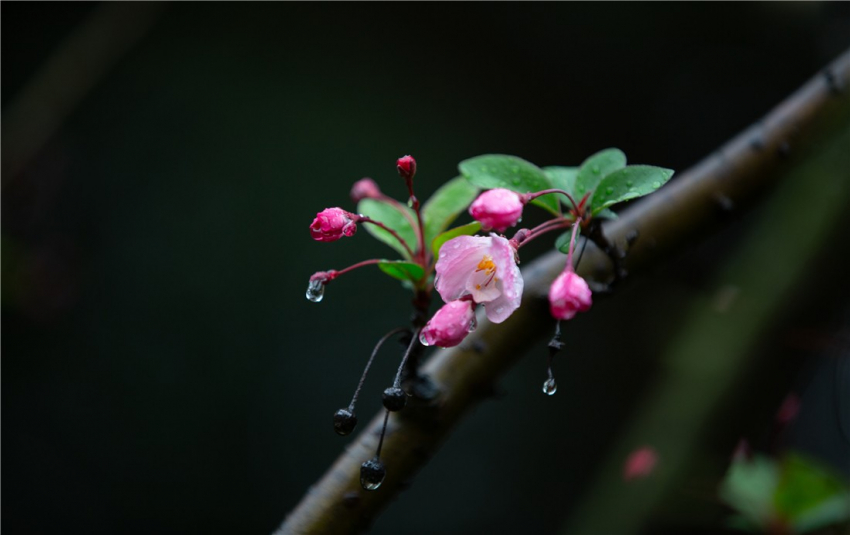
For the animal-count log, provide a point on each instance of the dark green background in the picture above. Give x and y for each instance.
(162, 371)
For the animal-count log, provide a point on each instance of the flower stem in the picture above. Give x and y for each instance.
(352, 267)
(572, 244)
(367, 219)
(531, 196)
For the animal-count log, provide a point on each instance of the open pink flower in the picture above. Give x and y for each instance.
(450, 324)
(497, 208)
(484, 268)
(332, 224)
(568, 295)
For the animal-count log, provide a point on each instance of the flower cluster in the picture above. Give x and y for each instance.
(465, 269)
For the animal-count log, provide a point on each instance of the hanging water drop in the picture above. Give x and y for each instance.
(550, 386)
(472, 325)
(372, 474)
(316, 290)
(422, 339)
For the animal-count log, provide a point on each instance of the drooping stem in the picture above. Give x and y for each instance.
(531, 196)
(367, 219)
(572, 245)
(369, 363)
(543, 228)
(334, 273)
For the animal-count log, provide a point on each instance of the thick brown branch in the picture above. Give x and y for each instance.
(691, 203)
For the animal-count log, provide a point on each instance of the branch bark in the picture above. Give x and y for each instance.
(688, 206)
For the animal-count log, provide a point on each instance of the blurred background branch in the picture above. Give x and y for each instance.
(792, 141)
(76, 67)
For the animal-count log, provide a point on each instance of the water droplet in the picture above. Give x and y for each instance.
(629, 183)
(410, 203)
(372, 474)
(436, 280)
(595, 169)
(422, 340)
(550, 387)
(656, 185)
(519, 220)
(455, 245)
(499, 310)
(472, 325)
(609, 191)
(515, 169)
(316, 290)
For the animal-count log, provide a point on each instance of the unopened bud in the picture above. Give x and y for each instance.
(365, 188)
(406, 166)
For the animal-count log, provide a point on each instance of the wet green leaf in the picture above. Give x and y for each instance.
(404, 271)
(445, 205)
(393, 218)
(595, 168)
(628, 183)
(563, 242)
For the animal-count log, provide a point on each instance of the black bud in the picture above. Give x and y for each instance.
(344, 422)
(372, 474)
(394, 399)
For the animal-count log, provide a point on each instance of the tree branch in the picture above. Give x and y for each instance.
(689, 205)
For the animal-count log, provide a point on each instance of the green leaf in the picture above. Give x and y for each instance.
(563, 178)
(628, 183)
(803, 486)
(445, 204)
(404, 271)
(392, 217)
(563, 242)
(501, 171)
(607, 213)
(748, 487)
(597, 167)
(464, 230)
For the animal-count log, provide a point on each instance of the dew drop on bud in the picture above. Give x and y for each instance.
(315, 290)
(423, 340)
(372, 474)
(550, 387)
(344, 422)
(472, 325)
(394, 399)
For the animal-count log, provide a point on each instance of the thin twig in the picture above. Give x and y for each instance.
(687, 206)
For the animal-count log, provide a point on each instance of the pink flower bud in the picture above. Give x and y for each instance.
(568, 295)
(640, 463)
(450, 325)
(406, 166)
(497, 208)
(365, 188)
(332, 224)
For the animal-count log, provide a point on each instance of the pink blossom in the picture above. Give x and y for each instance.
(450, 324)
(332, 224)
(497, 208)
(406, 166)
(365, 188)
(484, 268)
(640, 463)
(568, 295)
